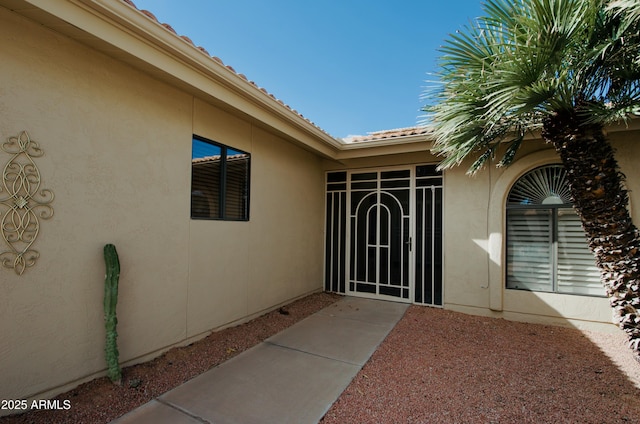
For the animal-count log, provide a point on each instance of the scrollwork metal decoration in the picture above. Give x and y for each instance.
(22, 203)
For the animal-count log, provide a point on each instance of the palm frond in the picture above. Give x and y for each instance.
(529, 58)
(630, 8)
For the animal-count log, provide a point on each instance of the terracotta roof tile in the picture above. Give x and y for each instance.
(146, 12)
(217, 59)
(170, 28)
(389, 134)
(188, 40)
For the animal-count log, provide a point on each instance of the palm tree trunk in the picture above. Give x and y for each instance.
(600, 199)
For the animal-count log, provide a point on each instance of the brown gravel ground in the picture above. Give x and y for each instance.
(435, 366)
(440, 366)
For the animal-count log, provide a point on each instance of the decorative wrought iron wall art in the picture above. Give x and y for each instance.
(22, 203)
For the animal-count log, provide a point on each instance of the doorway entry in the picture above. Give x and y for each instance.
(383, 234)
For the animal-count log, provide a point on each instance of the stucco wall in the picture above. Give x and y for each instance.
(474, 221)
(474, 274)
(277, 254)
(117, 149)
(118, 158)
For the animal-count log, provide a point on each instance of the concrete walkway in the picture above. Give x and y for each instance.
(292, 377)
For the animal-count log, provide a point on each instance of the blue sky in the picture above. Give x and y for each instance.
(350, 66)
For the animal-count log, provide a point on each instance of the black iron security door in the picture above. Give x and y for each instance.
(380, 233)
(384, 234)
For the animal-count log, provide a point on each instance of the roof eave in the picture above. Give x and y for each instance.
(394, 145)
(124, 32)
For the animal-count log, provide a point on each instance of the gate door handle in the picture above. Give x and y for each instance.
(408, 243)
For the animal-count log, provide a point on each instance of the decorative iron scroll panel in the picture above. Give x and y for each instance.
(22, 203)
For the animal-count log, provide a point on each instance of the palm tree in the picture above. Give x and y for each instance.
(566, 68)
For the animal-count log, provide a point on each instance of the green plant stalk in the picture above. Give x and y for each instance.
(111, 279)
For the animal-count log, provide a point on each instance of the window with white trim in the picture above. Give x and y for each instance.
(219, 181)
(546, 246)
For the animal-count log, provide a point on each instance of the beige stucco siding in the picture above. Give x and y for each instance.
(465, 237)
(287, 221)
(117, 145)
(474, 229)
(471, 246)
(627, 145)
(467, 289)
(250, 266)
(117, 156)
(117, 178)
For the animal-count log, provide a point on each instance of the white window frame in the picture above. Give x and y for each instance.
(546, 249)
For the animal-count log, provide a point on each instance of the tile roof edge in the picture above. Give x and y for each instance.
(392, 134)
(229, 68)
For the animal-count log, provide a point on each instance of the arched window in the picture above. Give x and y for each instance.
(546, 246)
